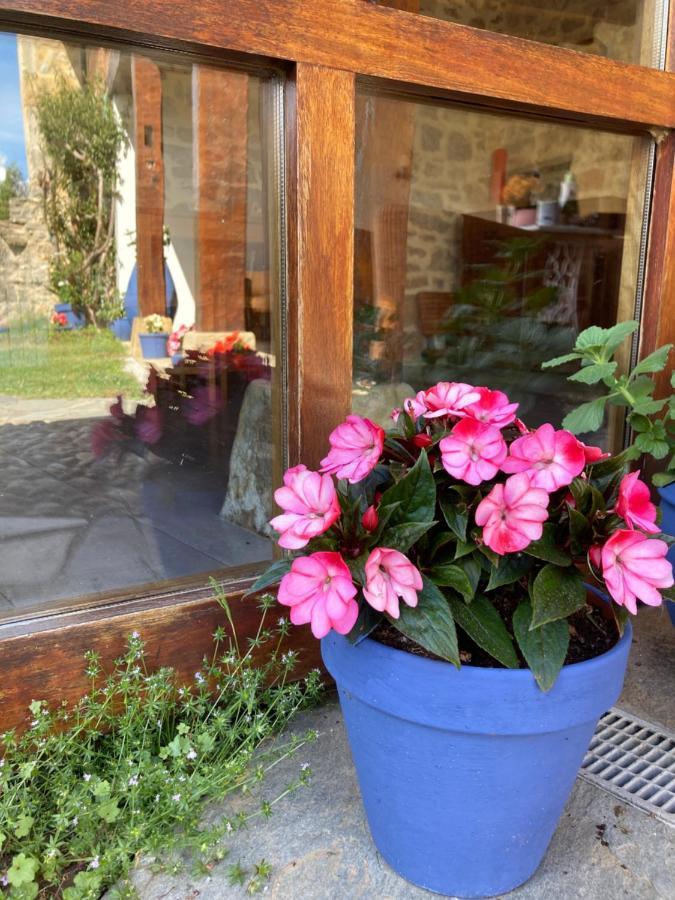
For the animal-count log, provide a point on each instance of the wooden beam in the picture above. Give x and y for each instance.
(322, 261)
(48, 663)
(147, 91)
(399, 46)
(221, 129)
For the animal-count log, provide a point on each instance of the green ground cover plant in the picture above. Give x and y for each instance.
(128, 770)
(37, 363)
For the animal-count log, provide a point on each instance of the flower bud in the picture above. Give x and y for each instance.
(370, 519)
(422, 440)
(595, 554)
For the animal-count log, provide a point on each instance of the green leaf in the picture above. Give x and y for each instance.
(462, 549)
(591, 338)
(580, 527)
(547, 548)
(272, 575)
(587, 417)
(23, 870)
(655, 362)
(559, 360)
(415, 492)
(617, 334)
(594, 373)
(23, 826)
(647, 443)
(605, 471)
(430, 623)
(556, 593)
(647, 407)
(357, 567)
(402, 537)
(368, 619)
(509, 569)
(473, 568)
(485, 627)
(454, 577)
(544, 648)
(108, 811)
(661, 479)
(457, 519)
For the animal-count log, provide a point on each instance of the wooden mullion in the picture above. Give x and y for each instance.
(390, 44)
(321, 255)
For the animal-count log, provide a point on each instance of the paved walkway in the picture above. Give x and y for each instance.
(318, 843)
(319, 846)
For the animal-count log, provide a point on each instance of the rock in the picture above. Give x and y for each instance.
(248, 501)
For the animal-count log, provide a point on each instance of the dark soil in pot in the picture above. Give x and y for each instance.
(591, 634)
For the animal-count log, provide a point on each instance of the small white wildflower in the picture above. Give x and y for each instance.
(2, 762)
(228, 827)
(282, 620)
(75, 820)
(133, 781)
(34, 723)
(175, 798)
(156, 798)
(94, 864)
(135, 635)
(304, 767)
(199, 678)
(181, 692)
(4, 881)
(192, 754)
(87, 776)
(181, 777)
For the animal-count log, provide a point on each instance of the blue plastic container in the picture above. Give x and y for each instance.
(464, 774)
(121, 328)
(668, 527)
(154, 345)
(74, 320)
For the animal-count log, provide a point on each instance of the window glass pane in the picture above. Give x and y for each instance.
(139, 321)
(484, 244)
(627, 30)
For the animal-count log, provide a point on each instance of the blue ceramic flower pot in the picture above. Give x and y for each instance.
(154, 345)
(465, 773)
(668, 527)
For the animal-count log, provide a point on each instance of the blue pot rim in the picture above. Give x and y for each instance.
(472, 698)
(153, 334)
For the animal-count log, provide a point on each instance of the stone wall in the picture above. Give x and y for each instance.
(25, 250)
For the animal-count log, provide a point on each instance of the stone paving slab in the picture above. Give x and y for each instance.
(319, 846)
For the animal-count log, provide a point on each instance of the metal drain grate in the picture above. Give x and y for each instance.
(635, 761)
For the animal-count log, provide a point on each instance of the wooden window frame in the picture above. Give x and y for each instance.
(324, 48)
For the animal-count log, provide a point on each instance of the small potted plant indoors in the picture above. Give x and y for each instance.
(652, 422)
(451, 571)
(154, 337)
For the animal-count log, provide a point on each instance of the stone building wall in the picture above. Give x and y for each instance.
(25, 250)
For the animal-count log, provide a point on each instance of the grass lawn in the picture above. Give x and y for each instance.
(36, 363)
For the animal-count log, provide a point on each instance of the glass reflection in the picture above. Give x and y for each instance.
(138, 391)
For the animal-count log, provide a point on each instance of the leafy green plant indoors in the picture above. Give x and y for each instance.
(82, 140)
(129, 768)
(652, 421)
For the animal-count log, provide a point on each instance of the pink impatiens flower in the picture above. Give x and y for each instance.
(593, 454)
(473, 451)
(310, 507)
(633, 567)
(319, 589)
(356, 446)
(390, 575)
(512, 514)
(493, 408)
(634, 504)
(449, 398)
(553, 458)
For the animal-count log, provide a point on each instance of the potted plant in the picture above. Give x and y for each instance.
(652, 422)
(154, 338)
(445, 574)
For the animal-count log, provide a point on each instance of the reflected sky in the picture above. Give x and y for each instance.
(12, 147)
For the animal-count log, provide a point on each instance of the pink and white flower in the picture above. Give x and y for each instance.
(512, 514)
(390, 575)
(633, 567)
(473, 451)
(634, 504)
(356, 446)
(310, 507)
(319, 590)
(493, 408)
(593, 454)
(415, 406)
(449, 398)
(552, 458)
